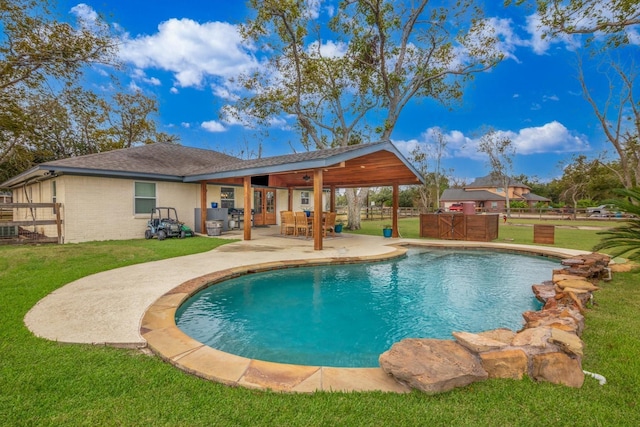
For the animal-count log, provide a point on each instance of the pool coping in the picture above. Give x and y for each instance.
(166, 340)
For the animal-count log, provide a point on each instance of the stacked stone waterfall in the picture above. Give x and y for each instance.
(548, 347)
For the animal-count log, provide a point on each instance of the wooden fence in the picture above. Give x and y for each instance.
(458, 226)
(31, 223)
(377, 212)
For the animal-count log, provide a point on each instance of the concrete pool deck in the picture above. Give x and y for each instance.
(134, 307)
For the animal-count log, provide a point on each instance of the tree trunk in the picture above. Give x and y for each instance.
(355, 200)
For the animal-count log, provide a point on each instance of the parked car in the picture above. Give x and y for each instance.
(455, 207)
(602, 211)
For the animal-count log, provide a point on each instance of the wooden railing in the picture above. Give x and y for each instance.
(31, 222)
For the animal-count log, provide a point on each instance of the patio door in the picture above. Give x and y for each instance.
(264, 205)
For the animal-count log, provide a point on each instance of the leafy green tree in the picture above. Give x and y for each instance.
(45, 113)
(386, 54)
(624, 240)
(36, 51)
(575, 180)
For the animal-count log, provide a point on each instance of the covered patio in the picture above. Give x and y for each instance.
(367, 165)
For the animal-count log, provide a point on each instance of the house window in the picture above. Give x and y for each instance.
(227, 197)
(304, 197)
(500, 190)
(494, 205)
(145, 197)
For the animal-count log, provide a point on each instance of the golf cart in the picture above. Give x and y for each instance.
(164, 223)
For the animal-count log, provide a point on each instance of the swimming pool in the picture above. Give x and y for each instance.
(347, 315)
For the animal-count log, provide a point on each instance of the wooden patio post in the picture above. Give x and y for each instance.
(396, 207)
(247, 207)
(332, 198)
(203, 207)
(290, 202)
(317, 209)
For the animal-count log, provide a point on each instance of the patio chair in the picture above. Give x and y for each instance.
(287, 223)
(302, 224)
(329, 224)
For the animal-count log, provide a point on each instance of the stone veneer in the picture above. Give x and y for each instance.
(548, 347)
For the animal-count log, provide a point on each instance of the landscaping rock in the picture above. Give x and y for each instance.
(533, 337)
(544, 292)
(501, 334)
(576, 284)
(557, 368)
(508, 363)
(551, 318)
(477, 343)
(432, 366)
(568, 341)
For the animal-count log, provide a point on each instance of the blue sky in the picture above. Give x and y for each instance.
(183, 52)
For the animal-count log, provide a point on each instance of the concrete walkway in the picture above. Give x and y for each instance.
(109, 307)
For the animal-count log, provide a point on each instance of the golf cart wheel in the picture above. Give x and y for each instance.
(148, 234)
(162, 235)
(182, 235)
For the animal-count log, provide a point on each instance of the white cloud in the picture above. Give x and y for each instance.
(174, 90)
(552, 137)
(185, 125)
(85, 13)
(328, 49)
(140, 75)
(190, 50)
(541, 43)
(213, 126)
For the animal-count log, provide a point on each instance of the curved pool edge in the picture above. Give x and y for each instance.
(166, 340)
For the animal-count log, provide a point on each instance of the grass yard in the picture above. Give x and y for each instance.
(45, 383)
(516, 230)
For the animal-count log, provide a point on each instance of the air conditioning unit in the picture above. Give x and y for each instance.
(8, 231)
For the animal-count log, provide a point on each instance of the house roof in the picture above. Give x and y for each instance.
(358, 165)
(534, 198)
(461, 195)
(491, 181)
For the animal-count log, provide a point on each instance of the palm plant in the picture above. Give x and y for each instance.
(625, 239)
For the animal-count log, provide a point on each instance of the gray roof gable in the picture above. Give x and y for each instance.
(155, 159)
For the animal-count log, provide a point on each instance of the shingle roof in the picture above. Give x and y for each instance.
(173, 162)
(159, 158)
(535, 198)
(284, 159)
(491, 181)
(461, 195)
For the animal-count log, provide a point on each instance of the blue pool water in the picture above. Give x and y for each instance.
(347, 315)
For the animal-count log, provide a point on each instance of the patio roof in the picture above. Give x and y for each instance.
(371, 165)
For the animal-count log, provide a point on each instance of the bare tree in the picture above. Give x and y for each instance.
(500, 151)
(618, 114)
(422, 156)
(610, 18)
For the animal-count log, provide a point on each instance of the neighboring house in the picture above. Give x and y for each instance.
(108, 196)
(489, 195)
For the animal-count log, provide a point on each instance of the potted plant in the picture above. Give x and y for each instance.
(387, 230)
(338, 226)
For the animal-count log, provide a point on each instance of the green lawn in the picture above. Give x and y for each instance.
(46, 383)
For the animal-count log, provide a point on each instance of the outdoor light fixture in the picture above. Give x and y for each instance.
(306, 177)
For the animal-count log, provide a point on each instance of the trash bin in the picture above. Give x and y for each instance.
(214, 228)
